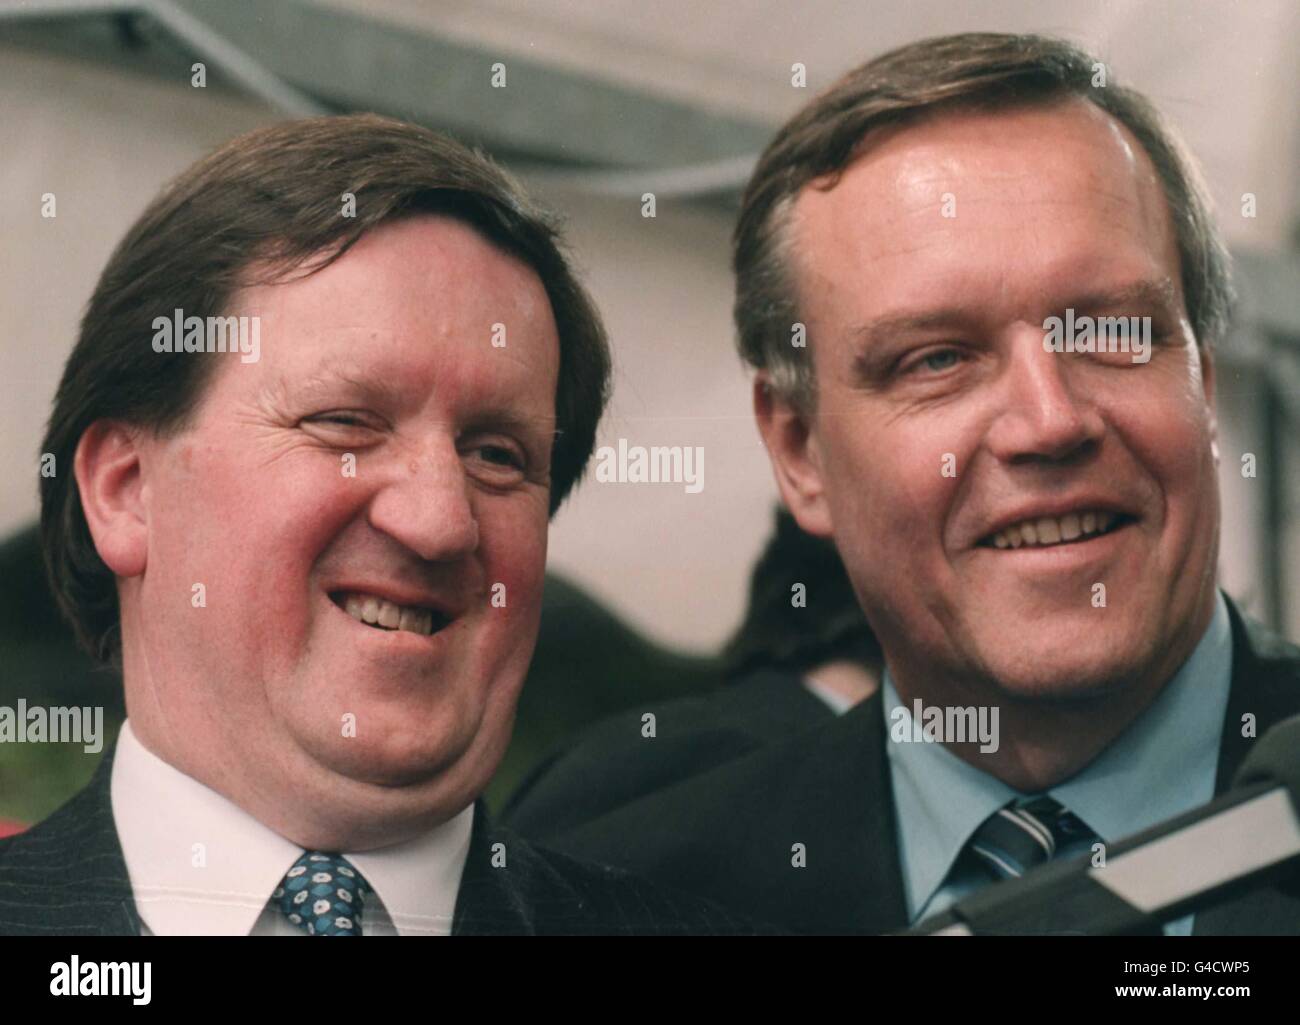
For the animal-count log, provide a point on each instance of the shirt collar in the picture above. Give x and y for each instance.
(200, 864)
(1165, 762)
(418, 880)
(939, 801)
(1162, 765)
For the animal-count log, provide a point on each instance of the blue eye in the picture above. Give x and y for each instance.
(940, 360)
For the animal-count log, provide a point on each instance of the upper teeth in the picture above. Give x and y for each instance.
(379, 612)
(1050, 530)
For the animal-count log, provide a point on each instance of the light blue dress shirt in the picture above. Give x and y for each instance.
(1162, 765)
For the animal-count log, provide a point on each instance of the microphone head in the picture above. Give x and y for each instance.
(1275, 758)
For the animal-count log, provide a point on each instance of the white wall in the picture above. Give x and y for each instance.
(103, 143)
(676, 563)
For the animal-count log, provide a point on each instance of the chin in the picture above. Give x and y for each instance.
(1051, 674)
(388, 758)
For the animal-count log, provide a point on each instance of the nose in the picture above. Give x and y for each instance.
(425, 504)
(1045, 416)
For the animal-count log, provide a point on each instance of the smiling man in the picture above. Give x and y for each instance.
(319, 569)
(1031, 529)
(957, 461)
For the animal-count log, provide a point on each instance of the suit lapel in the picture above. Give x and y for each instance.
(826, 790)
(494, 901)
(854, 838)
(1266, 685)
(798, 832)
(67, 875)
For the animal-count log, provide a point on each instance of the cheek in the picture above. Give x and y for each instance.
(1169, 432)
(512, 547)
(893, 480)
(255, 529)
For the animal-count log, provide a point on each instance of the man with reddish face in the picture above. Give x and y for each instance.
(373, 360)
(317, 555)
(1031, 523)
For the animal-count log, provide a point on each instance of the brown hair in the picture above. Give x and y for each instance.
(978, 71)
(274, 199)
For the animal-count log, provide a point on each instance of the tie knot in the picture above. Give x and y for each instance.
(1024, 834)
(323, 895)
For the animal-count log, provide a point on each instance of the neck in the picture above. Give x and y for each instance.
(1044, 741)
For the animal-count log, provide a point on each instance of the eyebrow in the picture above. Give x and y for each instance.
(331, 378)
(508, 420)
(1159, 292)
(895, 323)
(1155, 292)
(502, 418)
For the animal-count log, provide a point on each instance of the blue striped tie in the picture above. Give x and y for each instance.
(1025, 834)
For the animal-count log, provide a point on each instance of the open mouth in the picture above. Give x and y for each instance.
(1055, 531)
(381, 614)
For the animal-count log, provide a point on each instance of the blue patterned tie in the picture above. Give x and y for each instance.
(1025, 834)
(323, 895)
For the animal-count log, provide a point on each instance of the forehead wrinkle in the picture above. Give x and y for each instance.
(1155, 291)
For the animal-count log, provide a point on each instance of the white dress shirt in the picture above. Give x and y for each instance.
(200, 865)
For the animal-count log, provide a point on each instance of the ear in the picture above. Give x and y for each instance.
(796, 460)
(107, 467)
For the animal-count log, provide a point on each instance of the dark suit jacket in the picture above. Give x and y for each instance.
(613, 765)
(66, 876)
(726, 828)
